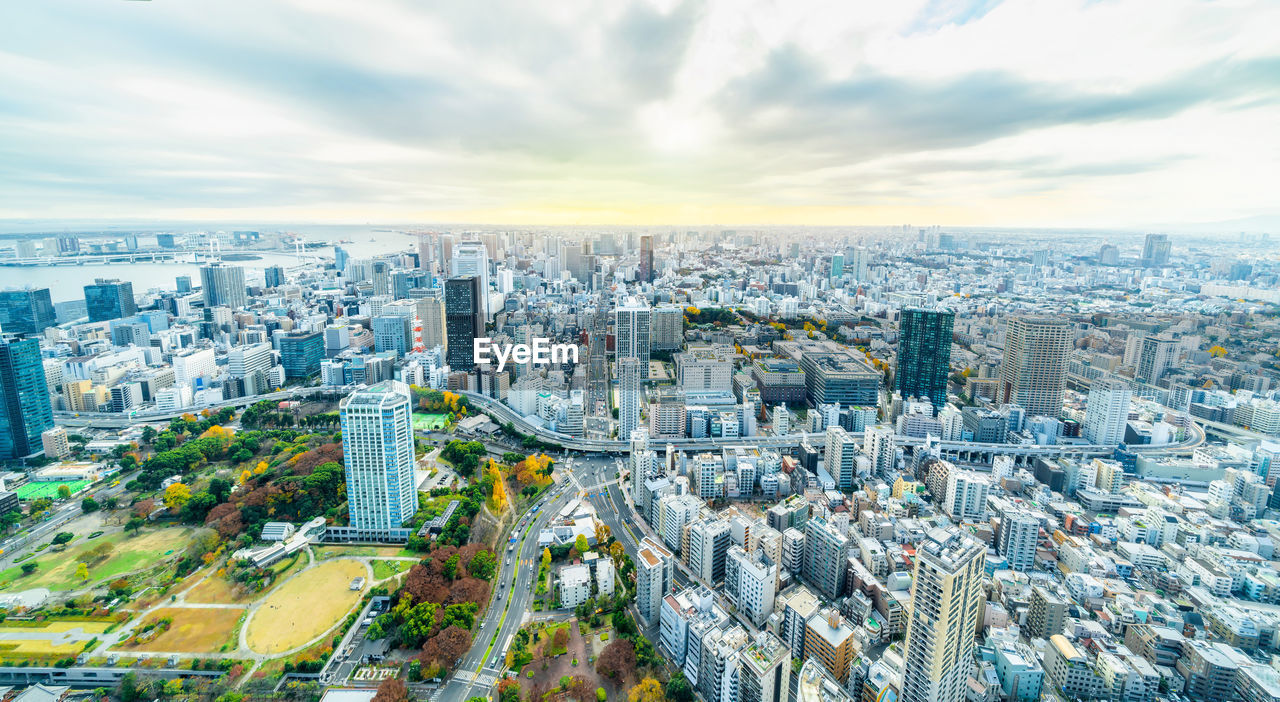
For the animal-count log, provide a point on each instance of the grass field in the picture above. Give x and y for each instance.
(215, 590)
(386, 569)
(51, 640)
(430, 422)
(57, 571)
(32, 491)
(304, 607)
(194, 630)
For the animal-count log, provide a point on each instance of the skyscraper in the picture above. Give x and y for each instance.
(301, 353)
(377, 447)
(645, 272)
(628, 396)
(666, 328)
(924, 354)
(946, 599)
(393, 333)
(1155, 355)
(1019, 536)
(24, 398)
(109, 299)
(841, 457)
(1034, 372)
(464, 321)
(1107, 412)
(654, 572)
(837, 266)
(223, 286)
(472, 258)
(1155, 250)
(825, 549)
(28, 311)
(631, 330)
(273, 276)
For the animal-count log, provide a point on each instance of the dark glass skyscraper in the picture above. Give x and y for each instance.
(301, 353)
(109, 299)
(646, 259)
(24, 398)
(924, 354)
(26, 311)
(463, 320)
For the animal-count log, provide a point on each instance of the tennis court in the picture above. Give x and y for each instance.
(430, 422)
(34, 491)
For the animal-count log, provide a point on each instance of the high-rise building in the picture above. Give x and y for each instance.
(628, 395)
(839, 378)
(654, 571)
(471, 258)
(24, 398)
(924, 354)
(1046, 614)
(705, 549)
(28, 311)
(631, 331)
(841, 457)
(393, 332)
(377, 448)
(837, 266)
(966, 496)
(1155, 355)
(667, 332)
(301, 353)
(829, 639)
(1155, 250)
(645, 272)
(273, 276)
(223, 286)
(880, 448)
(750, 581)
(1034, 372)
(825, 549)
(1019, 536)
(109, 299)
(1107, 412)
(464, 320)
(859, 260)
(946, 602)
(764, 670)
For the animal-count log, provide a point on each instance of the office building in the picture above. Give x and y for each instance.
(28, 311)
(301, 353)
(471, 258)
(393, 333)
(1107, 412)
(25, 412)
(825, 549)
(109, 299)
(839, 378)
(1046, 614)
(628, 395)
(273, 276)
(924, 354)
(631, 328)
(223, 286)
(377, 449)
(1155, 356)
(464, 321)
(666, 328)
(644, 273)
(1034, 371)
(946, 602)
(1155, 250)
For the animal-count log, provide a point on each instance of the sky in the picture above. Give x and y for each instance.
(1102, 113)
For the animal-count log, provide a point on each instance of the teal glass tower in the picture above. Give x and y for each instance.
(924, 354)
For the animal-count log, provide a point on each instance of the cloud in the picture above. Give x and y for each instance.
(703, 110)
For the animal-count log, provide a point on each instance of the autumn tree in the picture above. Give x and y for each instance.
(392, 690)
(602, 533)
(64, 492)
(618, 660)
(647, 690)
(580, 543)
(82, 571)
(546, 558)
(176, 496)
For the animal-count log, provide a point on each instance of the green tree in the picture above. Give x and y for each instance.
(135, 524)
(64, 492)
(450, 569)
(482, 565)
(29, 567)
(678, 688)
(580, 543)
(63, 537)
(88, 504)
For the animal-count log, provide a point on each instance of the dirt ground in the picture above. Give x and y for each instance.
(563, 665)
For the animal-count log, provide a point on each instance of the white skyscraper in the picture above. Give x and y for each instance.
(878, 444)
(946, 599)
(966, 497)
(1107, 412)
(628, 395)
(750, 581)
(471, 258)
(841, 457)
(654, 569)
(377, 446)
(1019, 534)
(631, 327)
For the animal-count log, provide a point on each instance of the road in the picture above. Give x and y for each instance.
(15, 546)
(481, 667)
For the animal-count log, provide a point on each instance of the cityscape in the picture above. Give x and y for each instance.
(649, 351)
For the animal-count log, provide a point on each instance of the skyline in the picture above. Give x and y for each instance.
(1121, 114)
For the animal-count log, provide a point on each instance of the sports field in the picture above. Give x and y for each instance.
(33, 491)
(305, 606)
(430, 422)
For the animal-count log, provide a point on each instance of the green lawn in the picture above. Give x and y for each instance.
(386, 569)
(57, 570)
(33, 491)
(430, 422)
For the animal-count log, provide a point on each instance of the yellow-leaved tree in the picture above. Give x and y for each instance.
(647, 690)
(176, 496)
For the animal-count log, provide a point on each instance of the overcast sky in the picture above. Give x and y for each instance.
(1105, 113)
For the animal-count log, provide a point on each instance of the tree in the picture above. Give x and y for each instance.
(29, 567)
(135, 524)
(601, 695)
(678, 688)
(392, 690)
(602, 534)
(64, 492)
(82, 571)
(176, 496)
(63, 537)
(618, 660)
(509, 690)
(450, 570)
(580, 543)
(482, 565)
(88, 504)
(546, 558)
(647, 690)
(173, 687)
